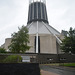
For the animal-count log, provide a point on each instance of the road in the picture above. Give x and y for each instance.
(58, 70)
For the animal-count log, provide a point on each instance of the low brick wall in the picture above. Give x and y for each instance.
(46, 58)
(54, 58)
(67, 58)
(19, 69)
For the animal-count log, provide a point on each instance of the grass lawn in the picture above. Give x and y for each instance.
(62, 64)
(69, 64)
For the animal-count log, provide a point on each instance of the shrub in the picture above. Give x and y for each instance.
(2, 50)
(2, 57)
(13, 59)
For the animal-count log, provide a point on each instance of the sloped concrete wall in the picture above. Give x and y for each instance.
(48, 44)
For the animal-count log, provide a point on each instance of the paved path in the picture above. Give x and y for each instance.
(47, 73)
(56, 70)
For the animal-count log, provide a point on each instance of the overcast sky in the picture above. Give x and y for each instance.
(14, 14)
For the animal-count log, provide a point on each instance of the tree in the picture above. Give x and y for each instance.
(68, 43)
(19, 41)
(2, 50)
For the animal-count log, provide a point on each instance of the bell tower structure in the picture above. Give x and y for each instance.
(37, 11)
(43, 37)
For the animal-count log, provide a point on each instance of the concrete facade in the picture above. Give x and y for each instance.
(6, 44)
(48, 44)
(31, 44)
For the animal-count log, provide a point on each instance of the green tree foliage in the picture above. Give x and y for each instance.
(68, 43)
(13, 59)
(2, 50)
(19, 41)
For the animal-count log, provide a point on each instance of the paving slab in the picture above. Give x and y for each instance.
(47, 73)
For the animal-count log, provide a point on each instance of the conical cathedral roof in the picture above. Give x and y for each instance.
(37, 12)
(43, 28)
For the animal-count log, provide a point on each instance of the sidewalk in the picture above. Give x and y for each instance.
(47, 73)
(63, 68)
(56, 70)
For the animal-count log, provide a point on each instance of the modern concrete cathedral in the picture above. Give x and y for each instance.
(43, 37)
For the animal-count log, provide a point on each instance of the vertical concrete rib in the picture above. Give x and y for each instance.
(41, 9)
(29, 14)
(33, 10)
(37, 31)
(37, 9)
(44, 12)
(37, 39)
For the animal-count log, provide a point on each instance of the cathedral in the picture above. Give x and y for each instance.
(44, 39)
(42, 36)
